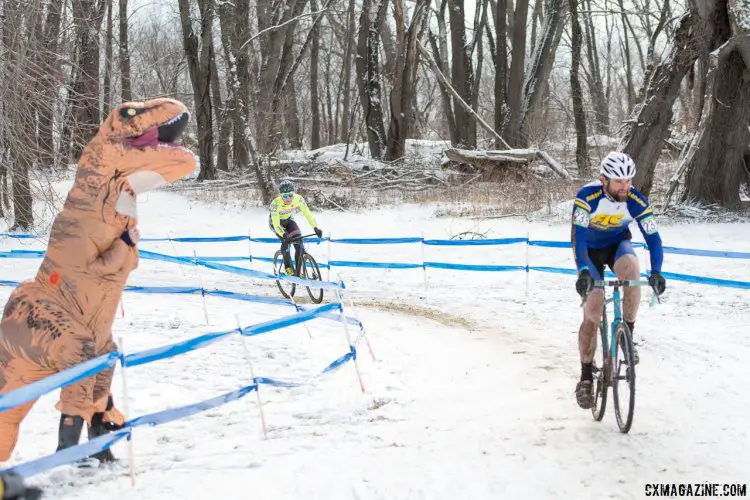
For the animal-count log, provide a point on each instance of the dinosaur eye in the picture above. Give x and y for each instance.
(127, 113)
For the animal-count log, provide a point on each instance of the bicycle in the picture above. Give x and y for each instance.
(609, 373)
(305, 267)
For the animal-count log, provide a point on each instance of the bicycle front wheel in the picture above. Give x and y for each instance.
(286, 288)
(601, 371)
(311, 271)
(623, 378)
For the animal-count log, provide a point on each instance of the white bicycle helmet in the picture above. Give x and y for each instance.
(617, 165)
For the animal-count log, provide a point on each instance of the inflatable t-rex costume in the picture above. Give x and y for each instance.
(64, 315)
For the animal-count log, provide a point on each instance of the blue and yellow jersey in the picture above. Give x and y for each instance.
(600, 222)
(281, 211)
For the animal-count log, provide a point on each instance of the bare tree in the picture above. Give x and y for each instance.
(515, 86)
(716, 159)
(87, 16)
(368, 74)
(540, 65)
(314, 99)
(582, 158)
(108, 62)
(649, 124)
(198, 51)
(124, 53)
(407, 58)
(594, 75)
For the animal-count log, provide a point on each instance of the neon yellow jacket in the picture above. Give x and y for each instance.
(281, 211)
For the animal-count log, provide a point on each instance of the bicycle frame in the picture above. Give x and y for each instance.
(301, 240)
(617, 306)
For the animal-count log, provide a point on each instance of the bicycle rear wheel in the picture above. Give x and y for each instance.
(601, 371)
(311, 271)
(623, 378)
(286, 288)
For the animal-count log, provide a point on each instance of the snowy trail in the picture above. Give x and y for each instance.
(471, 395)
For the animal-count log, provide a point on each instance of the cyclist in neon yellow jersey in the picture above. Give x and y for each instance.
(282, 223)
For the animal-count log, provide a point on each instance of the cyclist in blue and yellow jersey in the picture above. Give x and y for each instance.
(282, 223)
(602, 212)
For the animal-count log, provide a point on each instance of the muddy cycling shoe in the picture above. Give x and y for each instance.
(585, 394)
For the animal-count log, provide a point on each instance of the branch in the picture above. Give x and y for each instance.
(447, 84)
(290, 21)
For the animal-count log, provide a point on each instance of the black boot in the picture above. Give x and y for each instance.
(96, 429)
(70, 431)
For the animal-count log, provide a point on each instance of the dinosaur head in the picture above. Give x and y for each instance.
(137, 148)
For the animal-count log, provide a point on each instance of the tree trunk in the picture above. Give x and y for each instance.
(715, 161)
(407, 59)
(501, 68)
(234, 28)
(347, 78)
(108, 63)
(88, 16)
(124, 53)
(368, 75)
(225, 125)
(462, 74)
(314, 99)
(540, 66)
(582, 157)
(630, 88)
(649, 126)
(49, 87)
(595, 80)
(198, 52)
(516, 76)
(274, 72)
(439, 46)
(291, 116)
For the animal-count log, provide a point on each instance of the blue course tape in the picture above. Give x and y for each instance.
(274, 382)
(163, 289)
(707, 253)
(165, 416)
(278, 240)
(69, 455)
(374, 265)
(567, 244)
(208, 239)
(473, 267)
(22, 236)
(238, 270)
(351, 355)
(172, 350)
(22, 254)
(551, 244)
(707, 281)
(375, 241)
(101, 443)
(497, 241)
(294, 319)
(60, 379)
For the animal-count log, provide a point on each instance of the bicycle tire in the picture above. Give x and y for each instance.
(278, 268)
(309, 264)
(602, 378)
(625, 344)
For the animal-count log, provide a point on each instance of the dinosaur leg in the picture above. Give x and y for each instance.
(103, 380)
(17, 373)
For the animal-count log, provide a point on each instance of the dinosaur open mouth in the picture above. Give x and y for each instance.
(167, 134)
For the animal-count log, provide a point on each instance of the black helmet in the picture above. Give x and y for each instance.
(286, 186)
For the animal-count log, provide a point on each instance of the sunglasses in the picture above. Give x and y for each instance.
(286, 196)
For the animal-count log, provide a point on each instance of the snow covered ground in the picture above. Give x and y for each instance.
(471, 394)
